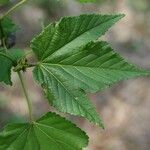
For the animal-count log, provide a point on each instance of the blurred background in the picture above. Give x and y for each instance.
(125, 107)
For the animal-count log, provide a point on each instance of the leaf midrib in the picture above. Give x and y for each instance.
(97, 67)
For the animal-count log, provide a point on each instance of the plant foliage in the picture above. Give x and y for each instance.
(7, 26)
(61, 74)
(71, 62)
(7, 62)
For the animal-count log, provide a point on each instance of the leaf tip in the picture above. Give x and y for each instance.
(101, 125)
(120, 16)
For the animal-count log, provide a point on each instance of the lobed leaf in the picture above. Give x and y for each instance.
(51, 132)
(90, 68)
(60, 39)
(71, 65)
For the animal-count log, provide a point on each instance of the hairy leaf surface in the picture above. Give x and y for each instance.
(89, 68)
(70, 33)
(54, 46)
(51, 132)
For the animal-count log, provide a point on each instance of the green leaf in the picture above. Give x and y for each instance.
(56, 42)
(16, 54)
(70, 33)
(51, 132)
(89, 68)
(7, 61)
(7, 27)
(5, 69)
(69, 100)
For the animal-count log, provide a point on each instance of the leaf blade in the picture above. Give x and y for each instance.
(63, 37)
(95, 65)
(8, 27)
(65, 98)
(71, 32)
(90, 68)
(7, 61)
(5, 69)
(28, 136)
(71, 65)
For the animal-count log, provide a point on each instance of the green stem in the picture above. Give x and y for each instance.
(13, 8)
(19, 73)
(31, 65)
(27, 97)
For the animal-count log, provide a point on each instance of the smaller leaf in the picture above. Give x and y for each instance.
(7, 27)
(5, 69)
(51, 132)
(7, 61)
